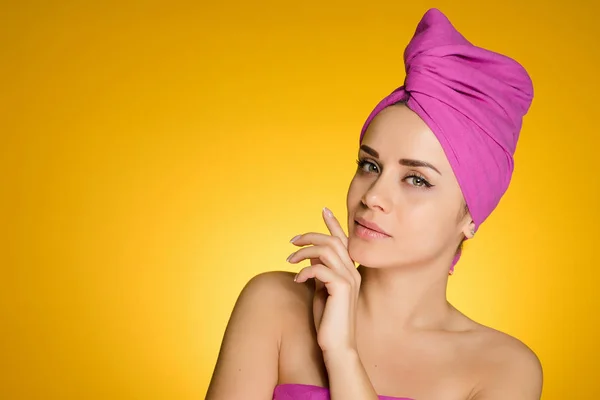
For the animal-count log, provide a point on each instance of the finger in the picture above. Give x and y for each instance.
(319, 286)
(319, 302)
(325, 254)
(333, 281)
(321, 239)
(334, 226)
(310, 238)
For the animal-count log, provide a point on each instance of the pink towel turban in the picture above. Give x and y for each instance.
(473, 100)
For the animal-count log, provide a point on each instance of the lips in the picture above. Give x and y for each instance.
(370, 225)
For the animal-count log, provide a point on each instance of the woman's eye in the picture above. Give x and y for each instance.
(418, 181)
(367, 166)
(370, 167)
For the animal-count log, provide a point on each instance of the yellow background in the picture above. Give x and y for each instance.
(155, 156)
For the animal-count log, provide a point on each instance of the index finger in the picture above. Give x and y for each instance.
(334, 226)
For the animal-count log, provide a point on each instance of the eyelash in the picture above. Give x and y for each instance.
(361, 163)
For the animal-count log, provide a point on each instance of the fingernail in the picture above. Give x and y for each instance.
(294, 238)
(327, 212)
(290, 256)
(296, 277)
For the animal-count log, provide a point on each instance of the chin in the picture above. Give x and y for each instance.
(366, 254)
(384, 255)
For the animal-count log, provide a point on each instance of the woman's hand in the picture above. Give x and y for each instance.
(337, 284)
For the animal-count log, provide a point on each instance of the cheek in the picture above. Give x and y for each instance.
(429, 233)
(429, 222)
(418, 229)
(422, 231)
(355, 192)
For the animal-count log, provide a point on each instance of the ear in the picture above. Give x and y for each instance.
(468, 226)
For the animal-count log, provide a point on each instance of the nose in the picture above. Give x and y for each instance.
(378, 196)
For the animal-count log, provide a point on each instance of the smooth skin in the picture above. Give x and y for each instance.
(385, 327)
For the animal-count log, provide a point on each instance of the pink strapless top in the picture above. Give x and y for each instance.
(296, 391)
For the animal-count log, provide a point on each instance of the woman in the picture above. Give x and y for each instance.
(435, 158)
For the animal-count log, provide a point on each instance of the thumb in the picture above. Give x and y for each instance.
(318, 284)
(319, 298)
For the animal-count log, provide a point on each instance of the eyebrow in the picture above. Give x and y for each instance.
(403, 161)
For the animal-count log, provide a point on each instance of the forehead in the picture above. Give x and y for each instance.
(397, 132)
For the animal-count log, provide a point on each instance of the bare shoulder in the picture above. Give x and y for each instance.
(248, 361)
(277, 290)
(510, 369)
(271, 297)
(504, 349)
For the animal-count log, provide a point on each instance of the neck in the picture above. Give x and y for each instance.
(404, 298)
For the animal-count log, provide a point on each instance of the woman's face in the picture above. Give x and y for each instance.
(404, 184)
